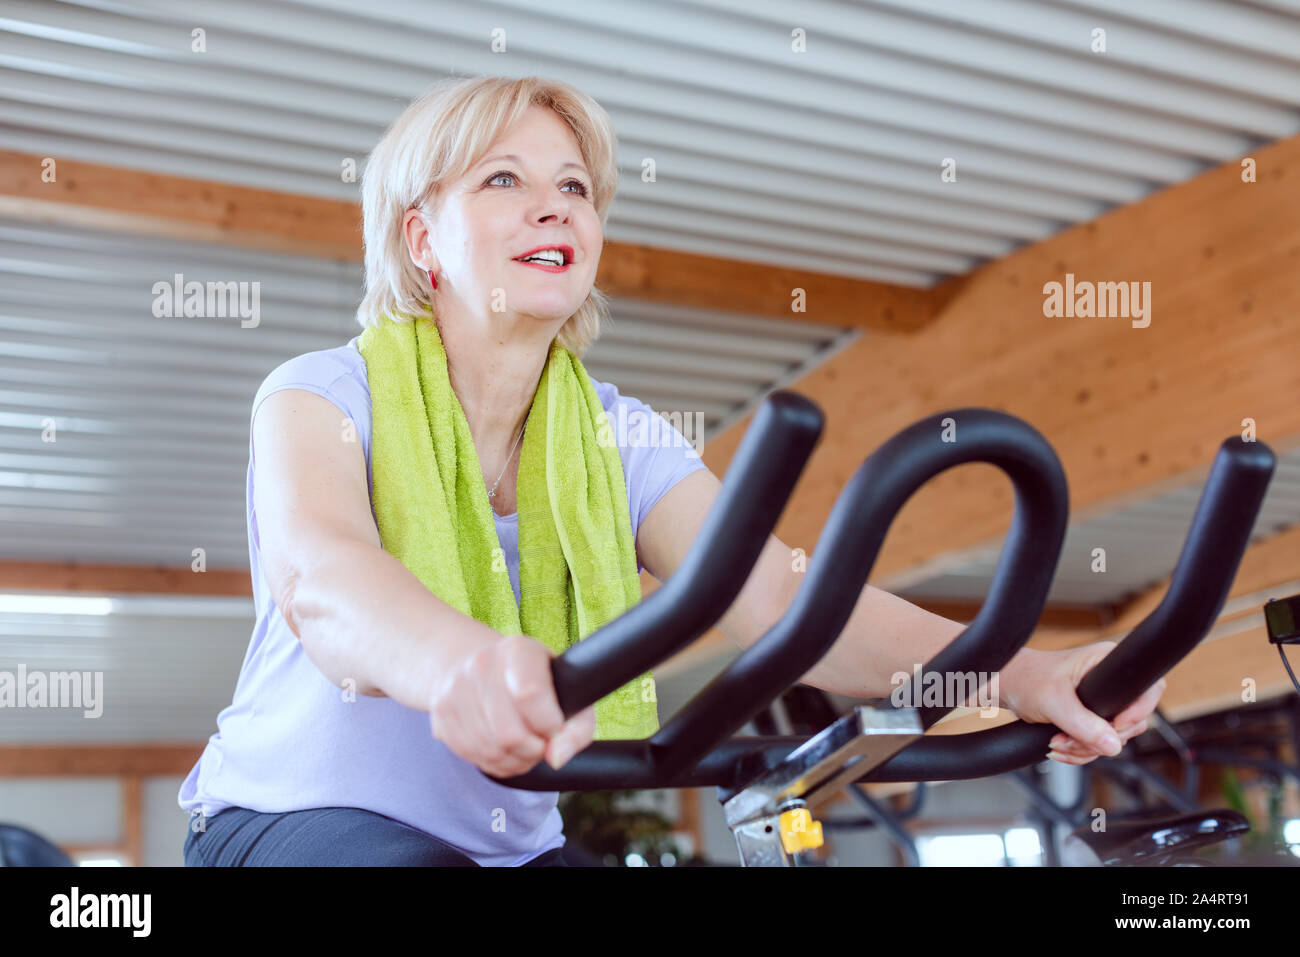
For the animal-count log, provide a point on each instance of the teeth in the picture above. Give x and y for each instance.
(553, 256)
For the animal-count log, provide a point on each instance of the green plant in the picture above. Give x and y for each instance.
(597, 821)
(1263, 838)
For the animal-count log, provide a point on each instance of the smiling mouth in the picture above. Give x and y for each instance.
(545, 266)
(557, 256)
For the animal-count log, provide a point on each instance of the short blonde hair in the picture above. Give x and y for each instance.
(439, 137)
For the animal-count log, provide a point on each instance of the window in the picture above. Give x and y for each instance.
(1291, 834)
(1015, 847)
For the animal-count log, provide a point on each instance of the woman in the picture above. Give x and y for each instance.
(402, 648)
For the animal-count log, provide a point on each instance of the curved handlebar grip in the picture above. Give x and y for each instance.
(1219, 533)
(845, 554)
(847, 551)
(763, 473)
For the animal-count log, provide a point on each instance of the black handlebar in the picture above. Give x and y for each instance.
(695, 749)
(1207, 565)
(847, 550)
(767, 464)
(1218, 537)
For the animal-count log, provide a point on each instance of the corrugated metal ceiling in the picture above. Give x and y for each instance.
(1142, 542)
(151, 415)
(827, 159)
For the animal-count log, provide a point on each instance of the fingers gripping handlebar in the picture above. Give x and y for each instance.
(847, 550)
(680, 753)
(695, 749)
(1216, 541)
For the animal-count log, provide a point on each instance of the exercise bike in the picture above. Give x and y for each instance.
(771, 786)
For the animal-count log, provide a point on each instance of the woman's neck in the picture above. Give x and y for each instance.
(495, 382)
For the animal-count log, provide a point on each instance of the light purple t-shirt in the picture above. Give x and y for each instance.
(291, 740)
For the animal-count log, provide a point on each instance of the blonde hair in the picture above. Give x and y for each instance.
(439, 137)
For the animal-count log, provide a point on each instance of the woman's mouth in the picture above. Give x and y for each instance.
(548, 258)
(545, 267)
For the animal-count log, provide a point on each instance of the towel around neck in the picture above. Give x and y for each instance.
(577, 555)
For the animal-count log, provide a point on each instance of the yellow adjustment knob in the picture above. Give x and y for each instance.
(799, 831)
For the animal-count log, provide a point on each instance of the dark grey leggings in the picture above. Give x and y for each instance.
(323, 837)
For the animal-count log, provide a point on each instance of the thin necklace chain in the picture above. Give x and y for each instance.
(493, 491)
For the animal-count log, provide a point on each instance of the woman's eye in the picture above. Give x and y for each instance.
(582, 187)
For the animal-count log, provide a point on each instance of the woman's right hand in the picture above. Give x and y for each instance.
(496, 708)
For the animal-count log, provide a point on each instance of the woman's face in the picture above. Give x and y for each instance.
(531, 190)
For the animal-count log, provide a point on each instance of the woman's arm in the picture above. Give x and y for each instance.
(886, 635)
(361, 615)
(367, 623)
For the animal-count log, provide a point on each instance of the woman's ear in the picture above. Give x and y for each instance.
(419, 239)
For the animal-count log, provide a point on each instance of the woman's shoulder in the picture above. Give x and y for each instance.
(605, 391)
(640, 429)
(612, 397)
(337, 373)
(321, 366)
(657, 450)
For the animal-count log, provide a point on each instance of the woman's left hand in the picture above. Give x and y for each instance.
(1039, 686)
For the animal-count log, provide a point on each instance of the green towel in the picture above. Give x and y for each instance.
(577, 568)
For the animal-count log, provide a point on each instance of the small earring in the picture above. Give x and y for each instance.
(433, 282)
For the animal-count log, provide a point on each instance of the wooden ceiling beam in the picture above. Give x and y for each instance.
(1128, 410)
(110, 197)
(1211, 678)
(22, 576)
(98, 760)
(155, 204)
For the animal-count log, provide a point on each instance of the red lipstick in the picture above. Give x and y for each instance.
(566, 251)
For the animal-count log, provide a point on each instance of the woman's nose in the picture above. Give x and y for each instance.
(555, 213)
(548, 205)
